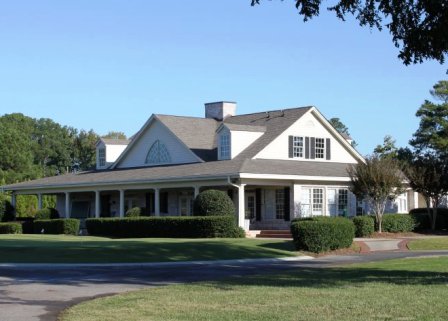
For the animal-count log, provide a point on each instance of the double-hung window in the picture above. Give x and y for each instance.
(312, 201)
(298, 147)
(320, 148)
(279, 204)
(224, 146)
(102, 157)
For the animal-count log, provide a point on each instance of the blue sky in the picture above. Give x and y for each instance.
(109, 64)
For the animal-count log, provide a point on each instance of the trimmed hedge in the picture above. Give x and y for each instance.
(398, 223)
(170, 226)
(47, 214)
(10, 228)
(422, 222)
(27, 224)
(213, 203)
(57, 226)
(364, 225)
(321, 234)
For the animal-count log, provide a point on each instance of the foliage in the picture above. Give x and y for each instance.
(184, 226)
(398, 223)
(364, 225)
(341, 128)
(422, 219)
(432, 134)
(115, 135)
(47, 214)
(418, 27)
(428, 175)
(27, 224)
(84, 153)
(6, 209)
(388, 149)
(134, 212)
(213, 202)
(377, 181)
(10, 228)
(322, 234)
(69, 226)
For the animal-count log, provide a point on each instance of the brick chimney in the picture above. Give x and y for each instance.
(220, 110)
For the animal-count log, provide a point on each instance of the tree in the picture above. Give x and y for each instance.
(377, 181)
(428, 175)
(432, 134)
(84, 153)
(418, 27)
(388, 149)
(115, 135)
(341, 128)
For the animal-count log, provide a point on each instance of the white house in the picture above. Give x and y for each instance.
(275, 165)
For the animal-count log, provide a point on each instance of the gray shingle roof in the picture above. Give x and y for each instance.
(246, 128)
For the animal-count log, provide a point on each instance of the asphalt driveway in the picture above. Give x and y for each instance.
(33, 292)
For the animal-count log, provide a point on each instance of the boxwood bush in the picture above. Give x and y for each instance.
(47, 214)
(169, 226)
(322, 234)
(10, 228)
(27, 224)
(57, 226)
(6, 209)
(398, 223)
(134, 212)
(213, 202)
(421, 218)
(364, 225)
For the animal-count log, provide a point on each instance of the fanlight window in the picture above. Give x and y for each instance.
(158, 154)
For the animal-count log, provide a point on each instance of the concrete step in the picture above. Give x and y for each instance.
(274, 234)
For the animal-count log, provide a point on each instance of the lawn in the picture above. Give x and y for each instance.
(406, 289)
(77, 249)
(437, 243)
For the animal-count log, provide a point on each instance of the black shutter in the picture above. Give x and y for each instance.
(307, 147)
(328, 147)
(291, 146)
(313, 147)
(287, 205)
(258, 204)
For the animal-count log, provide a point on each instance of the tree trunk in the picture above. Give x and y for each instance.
(380, 225)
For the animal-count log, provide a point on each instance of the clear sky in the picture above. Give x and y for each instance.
(110, 64)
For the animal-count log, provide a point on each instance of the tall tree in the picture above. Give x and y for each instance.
(432, 134)
(115, 135)
(418, 27)
(341, 128)
(85, 149)
(377, 181)
(428, 175)
(388, 149)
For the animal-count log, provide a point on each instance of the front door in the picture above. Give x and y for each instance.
(185, 204)
(250, 205)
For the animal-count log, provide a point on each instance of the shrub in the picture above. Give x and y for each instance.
(6, 209)
(398, 223)
(322, 234)
(47, 214)
(57, 226)
(421, 218)
(213, 202)
(185, 226)
(27, 225)
(364, 225)
(134, 212)
(10, 228)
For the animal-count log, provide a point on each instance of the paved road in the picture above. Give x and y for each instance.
(40, 293)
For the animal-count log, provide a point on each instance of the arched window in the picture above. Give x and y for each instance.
(158, 154)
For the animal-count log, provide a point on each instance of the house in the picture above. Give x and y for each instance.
(275, 165)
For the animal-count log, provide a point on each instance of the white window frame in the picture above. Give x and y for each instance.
(309, 201)
(224, 146)
(334, 205)
(298, 147)
(319, 148)
(102, 157)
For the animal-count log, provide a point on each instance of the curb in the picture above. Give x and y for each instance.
(154, 264)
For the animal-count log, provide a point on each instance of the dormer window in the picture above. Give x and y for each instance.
(320, 148)
(297, 147)
(224, 146)
(158, 154)
(102, 157)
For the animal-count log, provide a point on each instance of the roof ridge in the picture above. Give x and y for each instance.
(193, 117)
(274, 110)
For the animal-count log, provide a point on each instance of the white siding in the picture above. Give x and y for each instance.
(240, 140)
(137, 155)
(113, 152)
(310, 126)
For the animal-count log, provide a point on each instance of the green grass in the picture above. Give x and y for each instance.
(76, 249)
(406, 289)
(439, 243)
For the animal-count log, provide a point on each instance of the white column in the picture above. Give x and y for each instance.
(241, 205)
(39, 201)
(156, 201)
(297, 189)
(121, 203)
(415, 199)
(97, 204)
(67, 204)
(196, 191)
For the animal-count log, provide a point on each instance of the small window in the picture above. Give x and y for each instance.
(280, 204)
(158, 154)
(318, 200)
(343, 202)
(102, 157)
(320, 148)
(297, 145)
(224, 146)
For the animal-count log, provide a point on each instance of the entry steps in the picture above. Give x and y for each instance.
(279, 234)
